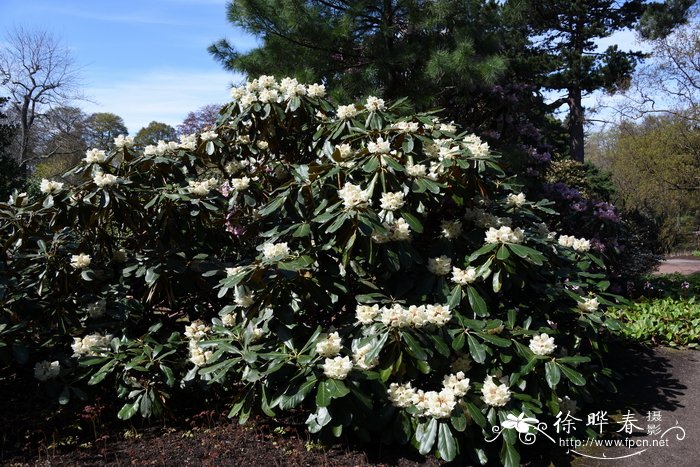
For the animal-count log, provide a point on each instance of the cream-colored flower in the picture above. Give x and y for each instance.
(463, 276)
(516, 200)
(353, 196)
(102, 180)
(80, 261)
(45, 370)
(91, 345)
(392, 201)
(365, 314)
(275, 251)
(440, 266)
(122, 142)
(374, 104)
(542, 344)
(346, 112)
(94, 156)
(338, 367)
(50, 187)
(329, 346)
(240, 184)
(495, 395)
(208, 136)
(316, 90)
(380, 146)
(589, 305)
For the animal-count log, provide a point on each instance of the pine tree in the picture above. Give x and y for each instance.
(563, 53)
(427, 50)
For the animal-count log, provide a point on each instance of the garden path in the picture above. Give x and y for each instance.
(660, 383)
(682, 265)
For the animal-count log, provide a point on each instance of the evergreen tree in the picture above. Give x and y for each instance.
(11, 174)
(563, 54)
(430, 51)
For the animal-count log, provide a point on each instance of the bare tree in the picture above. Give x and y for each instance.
(669, 82)
(38, 73)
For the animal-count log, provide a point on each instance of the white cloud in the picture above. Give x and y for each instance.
(162, 95)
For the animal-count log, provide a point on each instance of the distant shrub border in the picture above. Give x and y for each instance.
(377, 271)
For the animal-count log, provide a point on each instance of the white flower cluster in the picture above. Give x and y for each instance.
(195, 332)
(406, 127)
(589, 305)
(398, 231)
(45, 370)
(380, 146)
(374, 104)
(90, 345)
(338, 367)
(233, 167)
(229, 319)
(240, 184)
(431, 403)
(477, 147)
(443, 148)
(201, 187)
(50, 187)
(346, 112)
(353, 196)
(516, 200)
(440, 266)
(243, 298)
(451, 229)
(504, 234)
(94, 156)
(392, 201)
(275, 251)
(578, 244)
(542, 344)
(463, 276)
(123, 142)
(188, 142)
(330, 346)
(80, 261)
(447, 127)
(266, 89)
(399, 316)
(416, 170)
(208, 136)
(495, 395)
(102, 179)
(359, 358)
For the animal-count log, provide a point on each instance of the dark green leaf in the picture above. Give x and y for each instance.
(476, 349)
(552, 374)
(447, 446)
(425, 435)
(573, 375)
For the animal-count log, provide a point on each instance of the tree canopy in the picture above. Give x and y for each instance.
(154, 132)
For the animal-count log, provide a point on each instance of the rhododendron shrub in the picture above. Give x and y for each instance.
(372, 270)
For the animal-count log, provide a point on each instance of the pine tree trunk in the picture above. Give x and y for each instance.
(576, 121)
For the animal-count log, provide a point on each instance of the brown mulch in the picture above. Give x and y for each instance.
(35, 431)
(221, 444)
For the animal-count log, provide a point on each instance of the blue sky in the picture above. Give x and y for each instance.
(142, 60)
